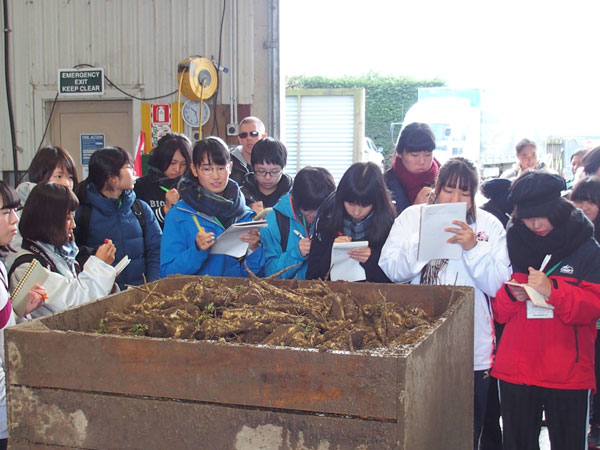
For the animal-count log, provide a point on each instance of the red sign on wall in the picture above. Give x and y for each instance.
(161, 114)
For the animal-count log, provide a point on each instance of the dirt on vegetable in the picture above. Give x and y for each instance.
(262, 313)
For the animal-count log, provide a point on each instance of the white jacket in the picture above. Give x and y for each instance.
(485, 267)
(11, 322)
(64, 289)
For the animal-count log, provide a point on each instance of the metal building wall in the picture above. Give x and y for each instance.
(137, 42)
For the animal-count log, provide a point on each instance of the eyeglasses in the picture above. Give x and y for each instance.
(264, 173)
(244, 134)
(209, 170)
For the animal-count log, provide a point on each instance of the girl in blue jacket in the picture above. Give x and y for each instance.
(209, 204)
(109, 210)
(287, 237)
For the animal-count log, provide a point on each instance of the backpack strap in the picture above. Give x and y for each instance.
(26, 259)
(283, 223)
(137, 209)
(83, 221)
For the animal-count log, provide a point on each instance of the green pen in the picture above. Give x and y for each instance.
(163, 188)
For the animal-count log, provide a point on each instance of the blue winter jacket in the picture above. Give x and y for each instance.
(180, 255)
(113, 219)
(275, 258)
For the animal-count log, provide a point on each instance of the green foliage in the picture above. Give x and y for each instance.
(139, 329)
(386, 100)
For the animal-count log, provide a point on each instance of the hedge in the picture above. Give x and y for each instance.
(386, 100)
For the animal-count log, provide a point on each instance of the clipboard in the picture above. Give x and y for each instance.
(229, 243)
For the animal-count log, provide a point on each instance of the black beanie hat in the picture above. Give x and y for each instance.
(535, 194)
(497, 189)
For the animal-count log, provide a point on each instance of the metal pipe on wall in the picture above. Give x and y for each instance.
(274, 81)
(11, 118)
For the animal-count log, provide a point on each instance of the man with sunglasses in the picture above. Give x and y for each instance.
(252, 130)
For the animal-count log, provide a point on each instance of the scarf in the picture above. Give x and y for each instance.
(357, 230)
(156, 176)
(527, 249)
(226, 208)
(414, 182)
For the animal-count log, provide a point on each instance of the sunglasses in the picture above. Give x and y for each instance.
(245, 134)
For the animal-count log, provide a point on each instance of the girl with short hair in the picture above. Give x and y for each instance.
(210, 203)
(169, 160)
(109, 210)
(67, 285)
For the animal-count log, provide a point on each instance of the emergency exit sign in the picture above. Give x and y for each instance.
(81, 81)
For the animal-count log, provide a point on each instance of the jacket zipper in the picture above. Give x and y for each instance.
(576, 344)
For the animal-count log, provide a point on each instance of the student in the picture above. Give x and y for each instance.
(545, 360)
(49, 164)
(210, 203)
(169, 160)
(414, 170)
(527, 159)
(586, 196)
(67, 286)
(496, 191)
(9, 202)
(287, 238)
(265, 186)
(361, 209)
(252, 130)
(484, 264)
(109, 210)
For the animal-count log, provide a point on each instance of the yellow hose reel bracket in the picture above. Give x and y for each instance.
(197, 77)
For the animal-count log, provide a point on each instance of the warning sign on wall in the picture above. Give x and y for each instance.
(161, 114)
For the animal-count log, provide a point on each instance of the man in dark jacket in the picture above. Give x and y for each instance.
(252, 130)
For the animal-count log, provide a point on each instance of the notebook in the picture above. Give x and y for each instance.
(35, 274)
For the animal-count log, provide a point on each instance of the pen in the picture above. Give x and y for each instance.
(297, 233)
(44, 297)
(163, 188)
(197, 224)
(545, 262)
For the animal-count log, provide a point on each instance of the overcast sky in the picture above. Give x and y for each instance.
(542, 59)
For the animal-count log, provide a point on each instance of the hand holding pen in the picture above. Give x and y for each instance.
(37, 296)
(304, 244)
(171, 197)
(106, 252)
(204, 240)
(539, 280)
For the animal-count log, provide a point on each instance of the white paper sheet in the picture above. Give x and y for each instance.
(537, 298)
(345, 268)
(229, 242)
(432, 237)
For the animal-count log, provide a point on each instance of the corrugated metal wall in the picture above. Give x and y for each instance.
(137, 42)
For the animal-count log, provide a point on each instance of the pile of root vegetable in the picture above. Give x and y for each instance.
(261, 313)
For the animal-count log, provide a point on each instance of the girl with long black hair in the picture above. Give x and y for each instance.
(360, 209)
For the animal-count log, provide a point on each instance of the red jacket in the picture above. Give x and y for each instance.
(555, 353)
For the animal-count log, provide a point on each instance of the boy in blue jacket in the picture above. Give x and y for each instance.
(287, 237)
(209, 203)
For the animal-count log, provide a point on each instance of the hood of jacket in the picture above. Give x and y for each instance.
(24, 189)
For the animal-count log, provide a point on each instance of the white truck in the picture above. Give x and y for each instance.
(469, 123)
